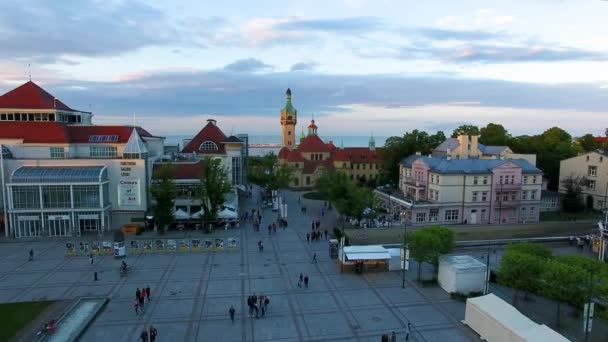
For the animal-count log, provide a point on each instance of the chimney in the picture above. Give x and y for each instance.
(212, 121)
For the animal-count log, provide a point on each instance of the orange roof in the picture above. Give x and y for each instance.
(31, 96)
(192, 170)
(357, 155)
(294, 156)
(312, 143)
(209, 133)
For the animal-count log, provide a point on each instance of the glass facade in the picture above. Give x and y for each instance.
(86, 196)
(103, 152)
(236, 170)
(26, 197)
(57, 153)
(56, 196)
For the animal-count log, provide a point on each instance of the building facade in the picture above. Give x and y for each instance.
(311, 156)
(468, 147)
(593, 166)
(467, 191)
(64, 176)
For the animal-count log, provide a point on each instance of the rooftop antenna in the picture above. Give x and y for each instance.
(29, 71)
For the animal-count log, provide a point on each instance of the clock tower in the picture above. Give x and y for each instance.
(289, 119)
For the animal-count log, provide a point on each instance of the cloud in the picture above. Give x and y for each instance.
(49, 30)
(246, 65)
(303, 66)
(445, 34)
(352, 24)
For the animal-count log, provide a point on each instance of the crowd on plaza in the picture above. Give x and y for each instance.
(256, 304)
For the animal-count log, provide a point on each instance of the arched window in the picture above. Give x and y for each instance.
(208, 146)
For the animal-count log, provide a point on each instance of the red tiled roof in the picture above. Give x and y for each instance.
(209, 133)
(312, 143)
(294, 156)
(283, 153)
(60, 133)
(600, 139)
(35, 132)
(31, 96)
(184, 170)
(357, 155)
(331, 145)
(310, 166)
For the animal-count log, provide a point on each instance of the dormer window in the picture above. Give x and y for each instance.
(208, 146)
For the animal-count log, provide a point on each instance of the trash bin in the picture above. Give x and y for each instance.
(333, 248)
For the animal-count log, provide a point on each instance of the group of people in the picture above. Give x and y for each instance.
(316, 235)
(393, 336)
(152, 332)
(256, 304)
(303, 280)
(141, 297)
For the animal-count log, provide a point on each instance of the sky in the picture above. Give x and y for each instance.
(357, 66)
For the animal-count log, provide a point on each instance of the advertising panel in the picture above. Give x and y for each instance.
(184, 246)
(84, 248)
(171, 246)
(219, 244)
(147, 246)
(159, 246)
(96, 249)
(208, 245)
(196, 245)
(231, 243)
(107, 248)
(135, 247)
(129, 192)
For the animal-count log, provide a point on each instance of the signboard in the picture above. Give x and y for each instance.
(208, 245)
(171, 246)
(95, 250)
(58, 217)
(147, 247)
(135, 247)
(219, 244)
(159, 246)
(84, 248)
(128, 192)
(107, 248)
(231, 243)
(405, 259)
(70, 249)
(588, 313)
(196, 245)
(183, 246)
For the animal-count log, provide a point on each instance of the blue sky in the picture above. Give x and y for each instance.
(358, 66)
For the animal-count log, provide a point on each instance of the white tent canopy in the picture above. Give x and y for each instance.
(181, 215)
(374, 252)
(497, 321)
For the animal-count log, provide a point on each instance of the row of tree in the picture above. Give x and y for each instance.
(350, 199)
(266, 172)
(211, 191)
(550, 147)
(428, 244)
(571, 279)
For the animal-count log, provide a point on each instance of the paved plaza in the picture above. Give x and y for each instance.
(192, 292)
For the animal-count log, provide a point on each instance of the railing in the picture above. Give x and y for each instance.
(507, 187)
(414, 182)
(506, 203)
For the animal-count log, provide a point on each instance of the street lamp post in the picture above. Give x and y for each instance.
(404, 252)
(487, 289)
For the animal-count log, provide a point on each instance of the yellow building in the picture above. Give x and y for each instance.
(311, 156)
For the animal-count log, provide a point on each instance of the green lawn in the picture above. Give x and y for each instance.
(315, 195)
(561, 216)
(15, 316)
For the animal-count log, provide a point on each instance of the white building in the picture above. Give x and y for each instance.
(468, 146)
(63, 176)
(594, 167)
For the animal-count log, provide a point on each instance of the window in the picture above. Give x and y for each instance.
(591, 185)
(208, 146)
(357, 166)
(512, 179)
(524, 195)
(103, 151)
(420, 217)
(451, 215)
(474, 196)
(434, 215)
(56, 196)
(86, 196)
(533, 194)
(363, 166)
(525, 180)
(288, 132)
(531, 212)
(307, 180)
(592, 171)
(484, 196)
(475, 180)
(437, 179)
(236, 170)
(482, 217)
(533, 179)
(26, 197)
(485, 180)
(500, 181)
(587, 158)
(513, 196)
(505, 196)
(601, 159)
(57, 153)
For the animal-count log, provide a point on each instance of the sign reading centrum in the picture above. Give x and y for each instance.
(128, 188)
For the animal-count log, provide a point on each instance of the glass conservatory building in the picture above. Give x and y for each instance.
(58, 201)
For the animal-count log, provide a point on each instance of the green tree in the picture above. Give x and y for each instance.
(562, 283)
(163, 191)
(213, 188)
(349, 199)
(529, 248)
(520, 271)
(428, 244)
(466, 130)
(266, 172)
(588, 143)
(571, 198)
(397, 148)
(494, 134)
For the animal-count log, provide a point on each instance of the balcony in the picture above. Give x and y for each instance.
(507, 187)
(413, 183)
(507, 203)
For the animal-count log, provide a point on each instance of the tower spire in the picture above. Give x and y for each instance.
(372, 142)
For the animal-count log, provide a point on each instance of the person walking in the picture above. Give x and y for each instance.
(137, 294)
(408, 330)
(325, 234)
(148, 292)
(141, 299)
(136, 306)
(153, 333)
(306, 281)
(314, 258)
(91, 258)
(31, 255)
(307, 237)
(250, 305)
(144, 336)
(393, 337)
(269, 229)
(384, 338)
(231, 311)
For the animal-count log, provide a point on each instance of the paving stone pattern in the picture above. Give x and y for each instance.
(191, 293)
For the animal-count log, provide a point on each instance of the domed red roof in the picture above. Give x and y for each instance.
(283, 153)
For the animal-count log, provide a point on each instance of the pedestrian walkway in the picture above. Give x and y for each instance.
(192, 293)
